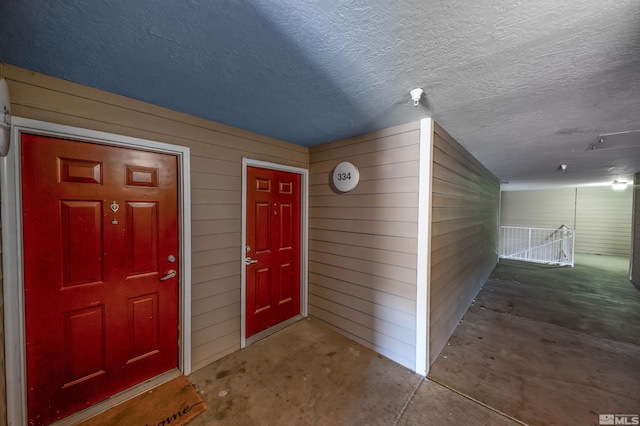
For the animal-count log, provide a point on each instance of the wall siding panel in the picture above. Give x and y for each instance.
(600, 216)
(216, 161)
(465, 206)
(363, 244)
(635, 237)
(603, 221)
(3, 390)
(550, 208)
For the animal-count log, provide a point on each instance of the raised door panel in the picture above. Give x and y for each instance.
(82, 242)
(84, 344)
(286, 226)
(262, 227)
(142, 238)
(263, 290)
(286, 283)
(143, 327)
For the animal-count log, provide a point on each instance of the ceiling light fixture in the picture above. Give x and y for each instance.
(563, 167)
(630, 139)
(416, 94)
(619, 186)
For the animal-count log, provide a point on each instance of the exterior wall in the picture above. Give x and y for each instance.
(603, 221)
(539, 209)
(3, 390)
(363, 244)
(635, 237)
(216, 168)
(600, 215)
(464, 235)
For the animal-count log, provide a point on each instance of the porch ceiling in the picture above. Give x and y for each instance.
(524, 86)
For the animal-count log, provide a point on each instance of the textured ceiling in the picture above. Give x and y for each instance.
(523, 85)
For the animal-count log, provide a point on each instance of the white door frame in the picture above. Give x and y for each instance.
(12, 253)
(304, 250)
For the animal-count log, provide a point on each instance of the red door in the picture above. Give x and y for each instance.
(273, 244)
(100, 230)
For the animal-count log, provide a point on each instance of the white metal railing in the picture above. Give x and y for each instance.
(539, 245)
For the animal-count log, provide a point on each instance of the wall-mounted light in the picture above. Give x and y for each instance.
(416, 94)
(5, 118)
(619, 186)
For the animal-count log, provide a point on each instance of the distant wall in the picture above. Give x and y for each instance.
(363, 244)
(603, 221)
(539, 209)
(216, 170)
(635, 259)
(464, 234)
(3, 390)
(600, 215)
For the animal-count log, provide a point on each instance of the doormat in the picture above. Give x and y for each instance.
(171, 404)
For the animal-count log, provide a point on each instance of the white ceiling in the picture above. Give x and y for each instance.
(544, 79)
(524, 85)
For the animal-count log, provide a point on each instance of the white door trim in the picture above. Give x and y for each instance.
(12, 260)
(304, 250)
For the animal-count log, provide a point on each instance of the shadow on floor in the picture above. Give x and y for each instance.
(550, 345)
(540, 345)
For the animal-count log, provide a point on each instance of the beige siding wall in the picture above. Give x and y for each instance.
(216, 166)
(635, 237)
(362, 270)
(3, 390)
(464, 234)
(603, 221)
(539, 209)
(600, 215)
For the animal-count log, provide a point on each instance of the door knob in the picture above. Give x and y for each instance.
(172, 273)
(249, 261)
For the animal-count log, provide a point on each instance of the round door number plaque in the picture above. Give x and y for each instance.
(345, 176)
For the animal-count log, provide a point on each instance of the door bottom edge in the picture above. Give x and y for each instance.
(119, 398)
(273, 329)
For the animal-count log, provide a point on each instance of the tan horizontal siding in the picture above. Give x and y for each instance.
(216, 168)
(363, 243)
(603, 221)
(378, 227)
(365, 200)
(216, 348)
(374, 213)
(635, 236)
(377, 269)
(377, 298)
(539, 209)
(390, 329)
(388, 156)
(465, 205)
(374, 283)
(600, 216)
(3, 405)
(370, 338)
(359, 252)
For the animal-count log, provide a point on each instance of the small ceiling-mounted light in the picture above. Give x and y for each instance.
(563, 167)
(416, 94)
(630, 139)
(619, 186)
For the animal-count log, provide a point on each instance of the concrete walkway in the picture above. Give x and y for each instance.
(540, 346)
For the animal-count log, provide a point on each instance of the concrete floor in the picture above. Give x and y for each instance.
(540, 346)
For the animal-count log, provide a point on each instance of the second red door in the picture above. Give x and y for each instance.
(272, 248)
